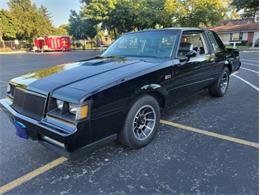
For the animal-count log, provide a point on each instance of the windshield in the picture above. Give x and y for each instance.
(158, 44)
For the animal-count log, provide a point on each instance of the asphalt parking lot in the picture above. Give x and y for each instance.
(208, 146)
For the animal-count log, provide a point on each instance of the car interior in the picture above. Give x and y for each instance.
(192, 43)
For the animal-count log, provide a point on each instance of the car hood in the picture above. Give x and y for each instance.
(80, 78)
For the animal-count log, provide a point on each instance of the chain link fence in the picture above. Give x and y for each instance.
(15, 45)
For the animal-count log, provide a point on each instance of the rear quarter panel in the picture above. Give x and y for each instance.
(233, 58)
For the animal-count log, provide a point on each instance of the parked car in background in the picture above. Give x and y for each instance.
(120, 94)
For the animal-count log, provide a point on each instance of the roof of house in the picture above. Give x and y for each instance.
(236, 28)
(238, 21)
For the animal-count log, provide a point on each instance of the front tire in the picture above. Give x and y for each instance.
(141, 123)
(219, 88)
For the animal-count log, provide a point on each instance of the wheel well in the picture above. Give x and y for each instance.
(229, 67)
(159, 97)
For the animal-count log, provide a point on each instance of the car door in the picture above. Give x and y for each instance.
(193, 72)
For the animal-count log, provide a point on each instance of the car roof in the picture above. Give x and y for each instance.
(167, 29)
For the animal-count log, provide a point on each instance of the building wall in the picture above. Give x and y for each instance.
(256, 36)
(251, 37)
(225, 37)
(245, 35)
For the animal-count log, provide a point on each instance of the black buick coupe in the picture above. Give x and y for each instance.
(121, 93)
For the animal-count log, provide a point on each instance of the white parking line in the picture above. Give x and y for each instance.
(245, 81)
(250, 60)
(247, 69)
(248, 64)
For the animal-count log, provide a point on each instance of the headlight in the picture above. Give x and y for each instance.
(70, 110)
(80, 112)
(8, 88)
(73, 108)
(59, 104)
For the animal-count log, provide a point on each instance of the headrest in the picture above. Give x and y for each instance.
(185, 46)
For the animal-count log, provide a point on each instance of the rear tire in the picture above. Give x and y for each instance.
(219, 88)
(141, 123)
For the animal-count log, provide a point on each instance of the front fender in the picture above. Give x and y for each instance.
(152, 89)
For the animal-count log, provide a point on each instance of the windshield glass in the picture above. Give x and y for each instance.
(158, 44)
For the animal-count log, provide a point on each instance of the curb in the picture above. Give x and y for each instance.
(45, 53)
(249, 51)
(13, 52)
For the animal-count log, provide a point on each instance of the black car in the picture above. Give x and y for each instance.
(120, 94)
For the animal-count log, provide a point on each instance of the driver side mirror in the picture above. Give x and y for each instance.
(191, 54)
(188, 55)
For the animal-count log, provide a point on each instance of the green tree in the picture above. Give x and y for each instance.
(97, 10)
(61, 30)
(8, 26)
(119, 16)
(122, 18)
(194, 13)
(31, 21)
(250, 7)
(80, 27)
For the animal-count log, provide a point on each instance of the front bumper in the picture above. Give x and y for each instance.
(38, 130)
(61, 140)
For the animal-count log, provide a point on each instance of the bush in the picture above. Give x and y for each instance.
(244, 43)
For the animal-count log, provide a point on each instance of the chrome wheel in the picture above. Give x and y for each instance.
(224, 82)
(144, 122)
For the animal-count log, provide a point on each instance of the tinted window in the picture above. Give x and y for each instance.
(158, 44)
(216, 42)
(192, 41)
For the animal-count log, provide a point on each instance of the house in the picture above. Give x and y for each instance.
(242, 32)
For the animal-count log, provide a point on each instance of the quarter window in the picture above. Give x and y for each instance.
(216, 42)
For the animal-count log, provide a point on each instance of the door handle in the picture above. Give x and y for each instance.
(196, 67)
(180, 64)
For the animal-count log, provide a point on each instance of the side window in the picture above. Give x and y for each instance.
(217, 44)
(192, 42)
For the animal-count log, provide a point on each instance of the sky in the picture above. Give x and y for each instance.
(59, 10)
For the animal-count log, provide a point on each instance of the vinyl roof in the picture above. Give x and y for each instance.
(165, 29)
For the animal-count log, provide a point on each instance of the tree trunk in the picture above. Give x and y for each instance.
(115, 33)
(2, 40)
(84, 47)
